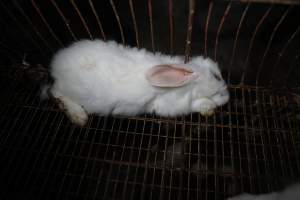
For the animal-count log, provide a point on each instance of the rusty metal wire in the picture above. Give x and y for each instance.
(283, 51)
(189, 30)
(118, 20)
(118, 156)
(270, 42)
(253, 38)
(81, 18)
(21, 27)
(98, 19)
(171, 25)
(134, 24)
(236, 41)
(220, 28)
(46, 23)
(149, 3)
(64, 19)
(41, 37)
(206, 26)
(249, 145)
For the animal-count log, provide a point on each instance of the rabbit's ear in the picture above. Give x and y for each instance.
(169, 75)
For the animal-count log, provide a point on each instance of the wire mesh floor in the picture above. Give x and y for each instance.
(249, 145)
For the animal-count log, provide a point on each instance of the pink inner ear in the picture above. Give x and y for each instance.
(168, 76)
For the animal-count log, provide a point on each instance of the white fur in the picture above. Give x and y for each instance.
(290, 193)
(108, 78)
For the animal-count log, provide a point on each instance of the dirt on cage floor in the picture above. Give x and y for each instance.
(251, 144)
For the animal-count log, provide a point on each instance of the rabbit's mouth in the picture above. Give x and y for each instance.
(221, 96)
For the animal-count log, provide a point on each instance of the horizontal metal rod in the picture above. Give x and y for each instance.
(289, 2)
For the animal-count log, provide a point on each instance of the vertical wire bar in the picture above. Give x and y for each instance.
(43, 154)
(40, 131)
(100, 176)
(253, 119)
(277, 127)
(220, 28)
(72, 157)
(98, 19)
(211, 3)
(147, 162)
(138, 159)
(97, 153)
(131, 160)
(23, 29)
(215, 154)
(64, 19)
(117, 142)
(13, 170)
(262, 111)
(236, 40)
(248, 152)
(231, 143)
(252, 40)
(291, 68)
(171, 176)
(199, 159)
(283, 51)
(163, 165)
(238, 136)
(33, 143)
(118, 20)
(20, 124)
(32, 25)
(78, 145)
(46, 23)
(81, 18)
(223, 147)
(183, 145)
(93, 159)
(292, 135)
(189, 157)
(155, 162)
(286, 144)
(270, 42)
(134, 23)
(122, 156)
(151, 24)
(87, 158)
(189, 30)
(52, 164)
(7, 111)
(171, 23)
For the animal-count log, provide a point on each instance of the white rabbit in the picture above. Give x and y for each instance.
(108, 78)
(290, 193)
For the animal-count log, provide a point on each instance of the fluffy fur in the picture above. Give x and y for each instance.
(290, 193)
(108, 78)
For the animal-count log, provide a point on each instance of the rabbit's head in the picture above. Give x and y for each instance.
(200, 77)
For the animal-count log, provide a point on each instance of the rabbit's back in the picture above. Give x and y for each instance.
(102, 75)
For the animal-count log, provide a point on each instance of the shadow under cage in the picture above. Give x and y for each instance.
(251, 144)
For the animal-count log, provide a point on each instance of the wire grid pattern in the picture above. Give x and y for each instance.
(250, 145)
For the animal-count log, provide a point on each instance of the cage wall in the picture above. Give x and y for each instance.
(250, 144)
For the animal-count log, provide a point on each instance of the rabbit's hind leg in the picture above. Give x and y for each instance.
(74, 111)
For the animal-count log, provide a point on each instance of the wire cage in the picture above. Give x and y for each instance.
(251, 144)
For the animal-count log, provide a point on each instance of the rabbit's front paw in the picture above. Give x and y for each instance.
(204, 106)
